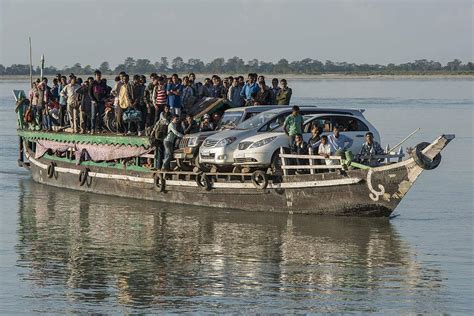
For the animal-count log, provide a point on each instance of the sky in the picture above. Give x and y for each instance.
(360, 31)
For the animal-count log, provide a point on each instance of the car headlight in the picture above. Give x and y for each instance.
(262, 142)
(192, 141)
(226, 141)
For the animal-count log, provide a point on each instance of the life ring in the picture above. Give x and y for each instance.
(51, 169)
(160, 182)
(203, 181)
(83, 176)
(260, 179)
(423, 161)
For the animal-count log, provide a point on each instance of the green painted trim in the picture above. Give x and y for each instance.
(99, 164)
(359, 165)
(100, 139)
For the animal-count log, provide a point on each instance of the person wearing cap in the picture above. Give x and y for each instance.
(206, 124)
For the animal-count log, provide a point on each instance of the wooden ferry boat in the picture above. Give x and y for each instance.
(114, 165)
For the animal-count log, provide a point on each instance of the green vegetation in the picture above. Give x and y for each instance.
(236, 65)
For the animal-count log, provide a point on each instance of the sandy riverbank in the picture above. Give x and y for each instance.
(302, 76)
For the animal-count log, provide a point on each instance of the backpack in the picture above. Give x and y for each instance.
(160, 130)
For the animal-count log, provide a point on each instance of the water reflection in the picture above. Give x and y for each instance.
(125, 253)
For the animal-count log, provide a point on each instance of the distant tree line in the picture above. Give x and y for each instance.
(236, 65)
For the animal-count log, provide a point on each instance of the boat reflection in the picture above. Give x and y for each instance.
(101, 249)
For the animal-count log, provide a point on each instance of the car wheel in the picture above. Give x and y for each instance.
(276, 163)
(200, 166)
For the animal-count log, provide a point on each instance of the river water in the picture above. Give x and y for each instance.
(68, 252)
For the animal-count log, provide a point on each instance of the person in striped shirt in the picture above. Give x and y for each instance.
(159, 96)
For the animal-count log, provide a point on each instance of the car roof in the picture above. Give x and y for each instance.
(312, 116)
(256, 108)
(353, 112)
(283, 108)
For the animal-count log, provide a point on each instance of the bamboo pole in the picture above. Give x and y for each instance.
(42, 66)
(405, 139)
(31, 66)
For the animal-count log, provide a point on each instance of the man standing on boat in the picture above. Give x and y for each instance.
(249, 89)
(125, 97)
(169, 141)
(98, 93)
(293, 124)
(173, 91)
(72, 101)
(284, 94)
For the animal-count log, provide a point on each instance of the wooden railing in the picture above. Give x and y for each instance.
(312, 166)
(339, 162)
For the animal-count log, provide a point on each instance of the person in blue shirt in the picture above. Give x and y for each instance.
(249, 89)
(339, 142)
(173, 90)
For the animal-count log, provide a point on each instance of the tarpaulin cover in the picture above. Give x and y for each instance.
(91, 151)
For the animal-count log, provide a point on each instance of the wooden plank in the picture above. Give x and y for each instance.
(380, 156)
(311, 161)
(283, 161)
(309, 156)
(312, 167)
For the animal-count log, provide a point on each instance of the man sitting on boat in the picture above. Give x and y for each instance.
(339, 142)
(369, 149)
(299, 147)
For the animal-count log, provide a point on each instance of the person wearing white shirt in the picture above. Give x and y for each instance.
(325, 149)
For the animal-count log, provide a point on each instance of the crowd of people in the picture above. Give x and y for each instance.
(161, 106)
(81, 104)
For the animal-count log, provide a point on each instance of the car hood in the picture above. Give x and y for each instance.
(201, 134)
(260, 136)
(230, 133)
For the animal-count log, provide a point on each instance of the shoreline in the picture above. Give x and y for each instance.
(296, 76)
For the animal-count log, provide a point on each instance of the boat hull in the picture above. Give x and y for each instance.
(372, 192)
(349, 193)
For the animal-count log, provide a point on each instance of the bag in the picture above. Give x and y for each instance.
(132, 116)
(28, 117)
(159, 132)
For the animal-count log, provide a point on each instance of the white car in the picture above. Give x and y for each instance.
(262, 150)
(219, 148)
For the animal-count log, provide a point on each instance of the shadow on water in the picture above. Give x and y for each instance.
(109, 254)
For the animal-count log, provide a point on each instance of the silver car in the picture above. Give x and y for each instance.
(219, 148)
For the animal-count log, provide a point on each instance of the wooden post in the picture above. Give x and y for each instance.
(20, 152)
(311, 161)
(400, 154)
(283, 161)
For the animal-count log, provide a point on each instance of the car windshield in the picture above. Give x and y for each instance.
(257, 121)
(230, 119)
(279, 128)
